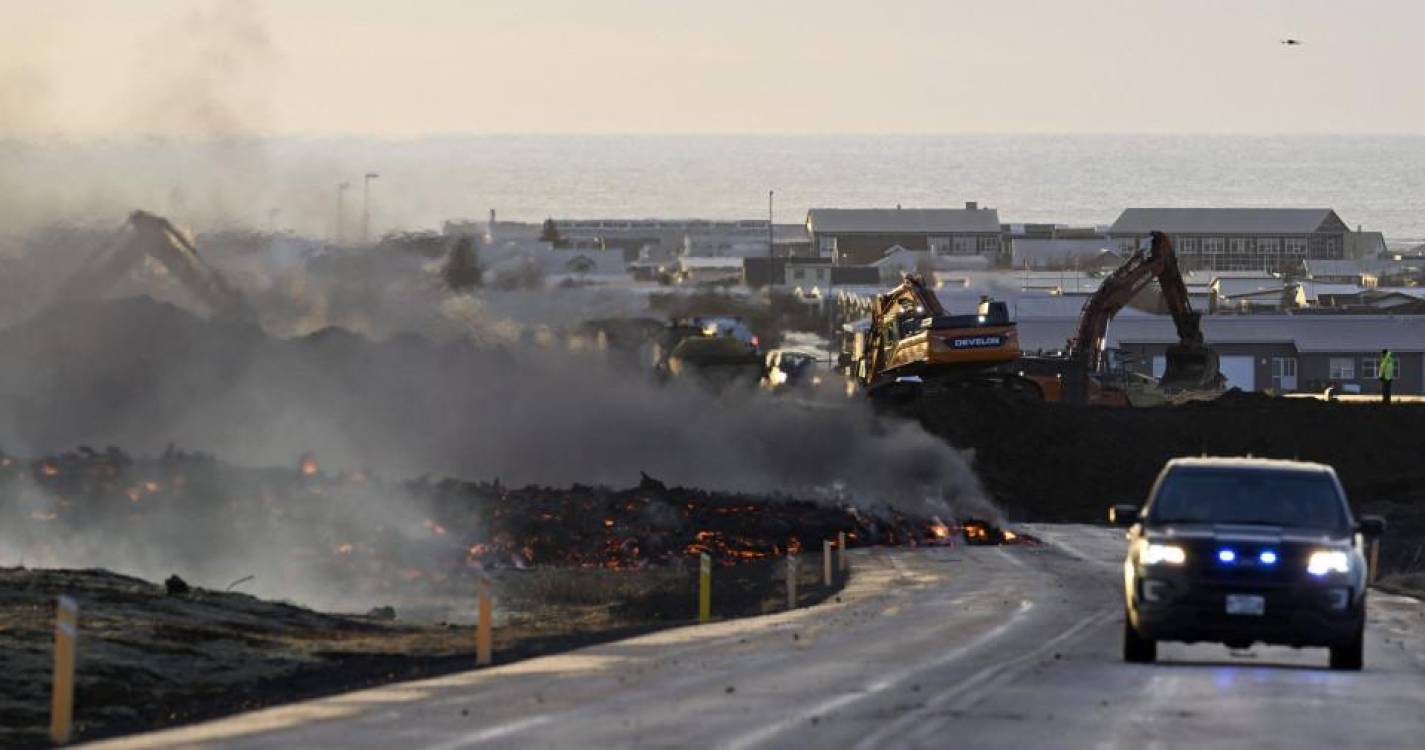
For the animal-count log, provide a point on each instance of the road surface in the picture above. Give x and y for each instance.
(970, 647)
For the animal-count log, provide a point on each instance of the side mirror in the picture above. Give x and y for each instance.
(1370, 527)
(1123, 515)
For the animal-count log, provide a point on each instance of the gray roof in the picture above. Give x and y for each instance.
(1135, 221)
(903, 220)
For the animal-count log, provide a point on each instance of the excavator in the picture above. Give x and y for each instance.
(1190, 364)
(149, 235)
(914, 348)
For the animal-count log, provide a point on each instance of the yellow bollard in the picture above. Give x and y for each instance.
(826, 562)
(841, 551)
(704, 588)
(66, 632)
(482, 625)
(791, 582)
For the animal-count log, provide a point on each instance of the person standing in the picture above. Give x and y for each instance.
(1387, 374)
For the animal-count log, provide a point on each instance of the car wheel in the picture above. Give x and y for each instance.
(1350, 655)
(1136, 648)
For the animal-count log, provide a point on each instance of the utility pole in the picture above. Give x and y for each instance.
(341, 189)
(366, 208)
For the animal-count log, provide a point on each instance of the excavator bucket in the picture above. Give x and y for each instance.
(1190, 368)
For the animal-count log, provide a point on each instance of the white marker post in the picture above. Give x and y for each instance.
(482, 624)
(66, 632)
(841, 551)
(791, 581)
(826, 562)
(704, 588)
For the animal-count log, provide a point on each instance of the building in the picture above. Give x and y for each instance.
(862, 236)
(1239, 239)
(1288, 353)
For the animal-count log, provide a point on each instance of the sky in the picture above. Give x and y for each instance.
(85, 69)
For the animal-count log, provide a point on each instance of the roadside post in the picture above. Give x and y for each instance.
(826, 562)
(1374, 558)
(843, 565)
(704, 588)
(66, 632)
(482, 625)
(791, 581)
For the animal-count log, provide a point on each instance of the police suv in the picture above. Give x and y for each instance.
(1241, 551)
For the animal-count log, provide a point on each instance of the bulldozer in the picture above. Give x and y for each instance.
(152, 236)
(914, 348)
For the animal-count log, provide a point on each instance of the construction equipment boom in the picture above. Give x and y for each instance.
(1190, 364)
(146, 234)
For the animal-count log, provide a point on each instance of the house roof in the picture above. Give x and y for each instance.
(1139, 221)
(903, 220)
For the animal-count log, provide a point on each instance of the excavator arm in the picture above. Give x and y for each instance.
(1190, 363)
(149, 235)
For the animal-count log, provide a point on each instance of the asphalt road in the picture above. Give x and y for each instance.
(967, 647)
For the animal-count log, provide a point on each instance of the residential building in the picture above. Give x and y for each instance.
(1267, 239)
(861, 236)
(1288, 353)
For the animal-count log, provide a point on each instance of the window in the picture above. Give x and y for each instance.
(939, 245)
(1240, 245)
(1370, 368)
(1342, 368)
(1296, 246)
(1189, 245)
(798, 274)
(1269, 246)
(826, 245)
(964, 245)
(989, 245)
(1213, 245)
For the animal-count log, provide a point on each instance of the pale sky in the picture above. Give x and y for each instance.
(102, 68)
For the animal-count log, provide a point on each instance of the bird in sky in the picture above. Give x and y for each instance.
(1292, 42)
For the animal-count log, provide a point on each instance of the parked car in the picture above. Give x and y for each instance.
(1242, 551)
(788, 369)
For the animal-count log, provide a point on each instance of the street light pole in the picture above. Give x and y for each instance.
(341, 189)
(366, 208)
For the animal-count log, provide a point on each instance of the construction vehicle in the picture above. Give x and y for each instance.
(914, 348)
(1190, 364)
(146, 235)
(911, 348)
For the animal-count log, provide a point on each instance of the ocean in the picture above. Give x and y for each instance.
(1376, 182)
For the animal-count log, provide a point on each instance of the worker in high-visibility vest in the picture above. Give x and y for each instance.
(1387, 374)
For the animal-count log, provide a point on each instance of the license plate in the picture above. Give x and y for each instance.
(1246, 604)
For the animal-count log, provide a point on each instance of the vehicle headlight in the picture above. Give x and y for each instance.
(1157, 554)
(1328, 561)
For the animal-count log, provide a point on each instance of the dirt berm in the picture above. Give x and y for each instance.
(1051, 462)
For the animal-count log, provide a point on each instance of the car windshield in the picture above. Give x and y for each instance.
(1293, 499)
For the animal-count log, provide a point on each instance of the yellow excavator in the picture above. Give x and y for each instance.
(914, 348)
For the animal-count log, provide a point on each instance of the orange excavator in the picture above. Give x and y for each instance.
(913, 347)
(1190, 364)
